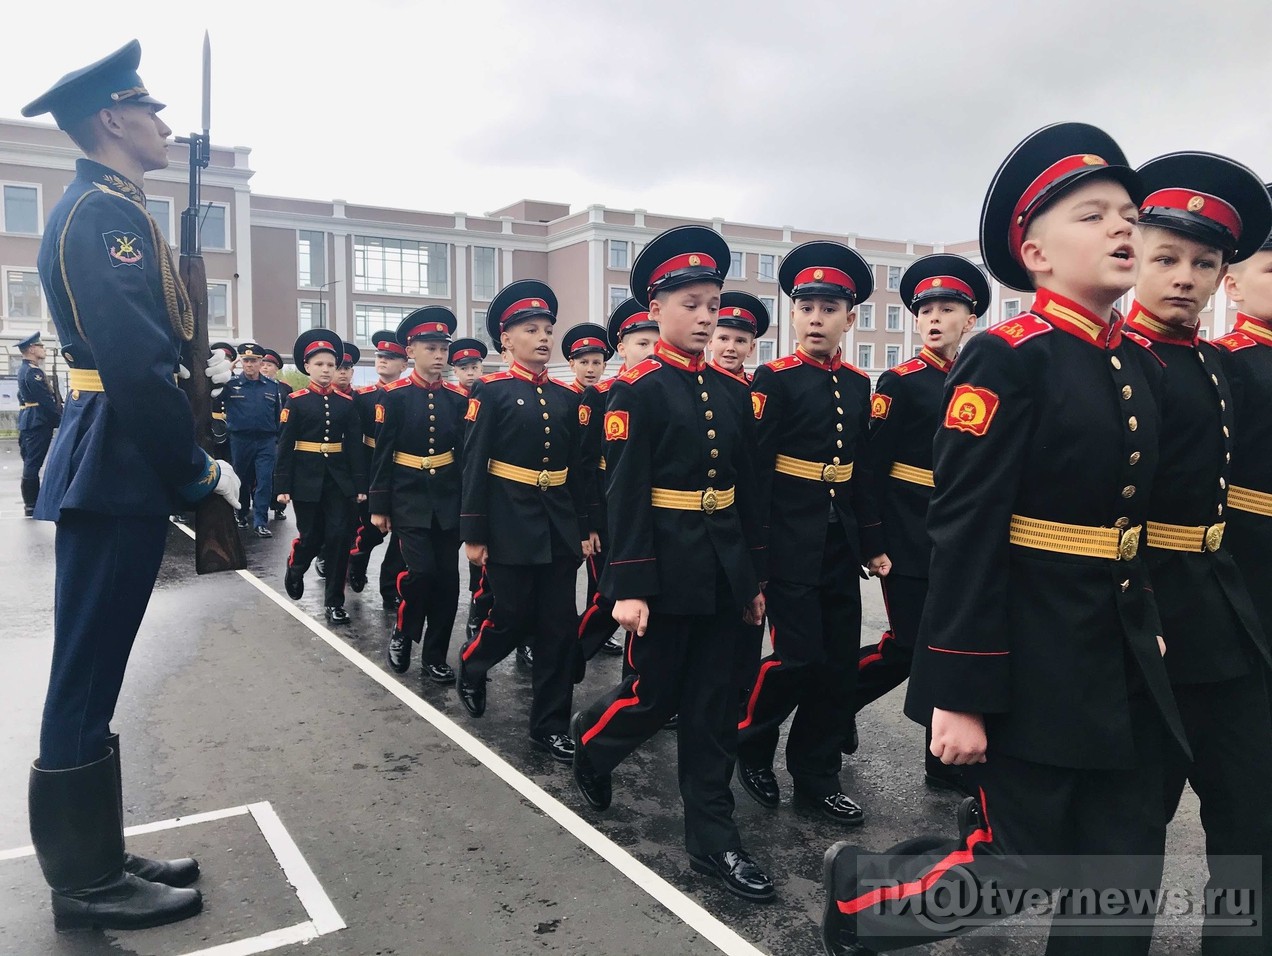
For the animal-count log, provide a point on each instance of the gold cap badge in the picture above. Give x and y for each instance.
(818, 274)
(1091, 159)
(1196, 204)
(936, 283)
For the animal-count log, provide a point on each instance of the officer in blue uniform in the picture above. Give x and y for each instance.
(40, 412)
(125, 460)
(252, 404)
(271, 365)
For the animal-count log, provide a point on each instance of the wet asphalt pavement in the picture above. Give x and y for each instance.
(421, 848)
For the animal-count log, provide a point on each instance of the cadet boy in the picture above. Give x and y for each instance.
(685, 558)
(466, 357)
(343, 381)
(946, 294)
(1202, 212)
(813, 413)
(415, 482)
(525, 513)
(38, 415)
(321, 469)
(1039, 667)
(252, 407)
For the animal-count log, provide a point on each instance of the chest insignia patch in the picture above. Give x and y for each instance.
(879, 406)
(758, 401)
(971, 410)
(585, 415)
(616, 426)
(123, 248)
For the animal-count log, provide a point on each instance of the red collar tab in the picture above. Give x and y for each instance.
(1154, 329)
(521, 305)
(1257, 329)
(690, 260)
(737, 376)
(834, 365)
(937, 285)
(320, 389)
(823, 274)
(521, 372)
(577, 386)
(588, 343)
(391, 350)
(1042, 187)
(424, 383)
(681, 360)
(1068, 316)
(427, 328)
(463, 354)
(934, 360)
(319, 346)
(735, 314)
(1199, 204)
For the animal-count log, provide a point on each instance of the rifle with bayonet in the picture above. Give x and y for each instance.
(217, 546)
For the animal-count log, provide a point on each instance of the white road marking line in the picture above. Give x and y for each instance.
(300, 933)
(322, 912)
(191, 820)
(689, 911)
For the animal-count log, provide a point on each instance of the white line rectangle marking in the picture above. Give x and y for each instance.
(297, 870)
(276, 939)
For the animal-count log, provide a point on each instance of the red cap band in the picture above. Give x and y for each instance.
(348, 359)
(521, 305)
(739, 313)
(319, 347)
(1201, 204)
(589, 344)
(690, 260)
(465, 354)
(824, 274)
(428, 328)
(944, 284)
(633, 319)
(1024, 210)
(387, 346)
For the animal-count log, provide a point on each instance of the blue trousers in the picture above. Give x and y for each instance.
(253, 460)
(106, 570)
(33, 445)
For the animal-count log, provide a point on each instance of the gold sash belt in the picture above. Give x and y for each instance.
(1112, 544)
(425, 462)
(813, 470)
(709, 501)
(543, 480)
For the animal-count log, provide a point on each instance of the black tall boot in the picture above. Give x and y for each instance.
(30, 491)
(79, 842)
(180, 872)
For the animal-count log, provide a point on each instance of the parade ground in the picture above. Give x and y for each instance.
(337, 806)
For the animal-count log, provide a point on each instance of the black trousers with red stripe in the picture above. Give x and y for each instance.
(534, 604)
(596, 624)
(677, 669)
(324, 529)
(366, 538)
(885, 666)
(429, 588)
(816, 631)
(1044, 828)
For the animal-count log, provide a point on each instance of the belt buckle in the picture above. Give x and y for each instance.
(1214, 537)
(426, 462)
(322, 448)
(829, 473)
(544, 480)
(1128, 544)
(710, 501)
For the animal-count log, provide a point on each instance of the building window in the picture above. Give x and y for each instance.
(620, 251)
(400, 266)
(865, 316)
(894, 278)
(768, 268)
(916, 351)
(737, 266)
(480, 333)
(161, 212)
(1203, 332)
(770, 303)
(1011, 308)
(485, 272)
(766, 351)
(617, 296)
(369, 319)
(982, 322)
(212, 230)
(23, 298)
(218, 305)
(865, 356)
(22, 209)
(313, 315)
(893, 353)
(311, 259)
(894, 318)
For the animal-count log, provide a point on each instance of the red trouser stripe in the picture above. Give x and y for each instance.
(587, 616)
(963, 855)
(610, 711)
(401, 615)
(481, 585)
(877, 654)
(755, 691)
(468, 651)
(291, 555)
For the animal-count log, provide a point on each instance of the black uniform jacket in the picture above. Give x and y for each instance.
(37, 404)
(816, 412)
(670, 425)
(905, 413)
(1050, 416)
(423, 419)
(530, 422)
(592, 438)
(319, 415)
(1210, 624)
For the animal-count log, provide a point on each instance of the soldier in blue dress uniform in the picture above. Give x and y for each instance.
(252, 406)
(39, 413)
(126, 458)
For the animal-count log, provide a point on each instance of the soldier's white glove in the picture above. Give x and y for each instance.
(220, 368)
(228, 486)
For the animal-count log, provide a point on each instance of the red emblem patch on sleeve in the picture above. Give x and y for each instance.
(585, 414)
(971, 409)
(879, 406)
(282, 416)
(474, 405)
(379, 414)
(758, 401)
(616, 426)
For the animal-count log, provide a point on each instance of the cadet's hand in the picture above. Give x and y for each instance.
(586, 545)
(632, 615)
(228, 485)
(753, 613)
(382, 523)
(476, 554)
(219, 369)
(958, 738)
(1161, 645)
(879, 565)
(595, 539)
(361, 498)
(284, 499)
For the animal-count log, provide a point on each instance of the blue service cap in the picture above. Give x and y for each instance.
(108, 82)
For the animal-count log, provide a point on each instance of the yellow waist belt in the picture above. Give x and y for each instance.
(84, 380)
(219, 416)
(37, 405)
(602, 463)
(915, 476)
(813, 470)
(1113, 544)
(320, 447)
(709, 501)
(1180, 537)
(368, 441)
(543, 480)
(424, 462)
(1247, 499)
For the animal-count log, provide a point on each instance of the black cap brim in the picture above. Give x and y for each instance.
(826, 254)
(679, 241)
(945, 264)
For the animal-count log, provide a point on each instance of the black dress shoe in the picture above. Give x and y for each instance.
(279, 514)
(399, 652)
(838, 807)
(613, 647)
(357, 581)
(596, 788)
(29, 511)
(178, 873)
(472, 696)
(262, 532)
(294, 582)
(320, 565)
(969, 818)
(838, 936)
(740, 874)
(440, 673)
(760, 783)
(337, 615)
(242, 521)
(558, 746)
(525, 656)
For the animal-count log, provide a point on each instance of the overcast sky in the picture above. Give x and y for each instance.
(884, 119)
